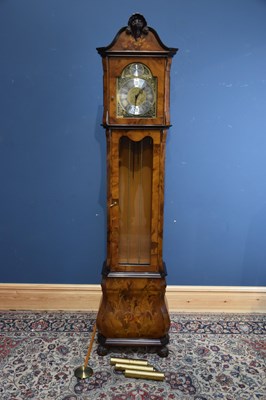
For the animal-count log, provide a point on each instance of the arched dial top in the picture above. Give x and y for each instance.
(136, 92)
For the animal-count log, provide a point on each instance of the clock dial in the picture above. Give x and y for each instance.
(136, 92)
(136, 96)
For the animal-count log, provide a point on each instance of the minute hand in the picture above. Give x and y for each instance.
(137, 95)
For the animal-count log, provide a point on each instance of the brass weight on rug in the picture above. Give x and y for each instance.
(131, 368)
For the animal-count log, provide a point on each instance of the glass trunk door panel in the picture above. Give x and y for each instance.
(135, 201)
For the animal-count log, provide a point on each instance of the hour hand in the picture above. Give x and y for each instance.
(137, 95)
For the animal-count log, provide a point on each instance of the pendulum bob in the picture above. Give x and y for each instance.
(83, 372)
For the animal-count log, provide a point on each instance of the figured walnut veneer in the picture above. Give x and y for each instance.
(133, 308)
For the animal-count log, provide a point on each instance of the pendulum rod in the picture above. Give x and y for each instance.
(128, 198)
(141, 195)
(90, 346)
(84, 371)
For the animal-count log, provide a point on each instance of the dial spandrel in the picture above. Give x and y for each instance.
(136, 92)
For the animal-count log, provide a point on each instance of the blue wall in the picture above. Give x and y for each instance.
(52, 147)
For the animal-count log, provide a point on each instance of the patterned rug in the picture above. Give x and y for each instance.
(220, 356)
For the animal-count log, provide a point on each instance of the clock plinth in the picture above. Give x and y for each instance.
(133, 312)
(133, 309)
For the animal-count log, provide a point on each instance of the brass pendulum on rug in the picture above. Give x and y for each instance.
(84, 371)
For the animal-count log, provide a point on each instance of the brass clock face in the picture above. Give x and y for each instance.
(136, 92)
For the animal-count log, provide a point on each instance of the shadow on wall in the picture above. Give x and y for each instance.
(254, 264)
(100, 138)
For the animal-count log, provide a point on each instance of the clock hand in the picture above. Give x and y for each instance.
(137, 95)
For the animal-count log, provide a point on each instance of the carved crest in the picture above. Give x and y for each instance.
(137, 26)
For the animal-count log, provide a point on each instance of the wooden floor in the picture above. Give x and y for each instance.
(87, 297)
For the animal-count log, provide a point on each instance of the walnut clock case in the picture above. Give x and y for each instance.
(136, 66)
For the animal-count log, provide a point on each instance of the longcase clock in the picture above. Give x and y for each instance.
(136, 66)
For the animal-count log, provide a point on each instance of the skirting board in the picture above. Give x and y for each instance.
(87, 298)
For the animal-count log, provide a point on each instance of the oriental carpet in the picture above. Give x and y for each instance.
(211, 356)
